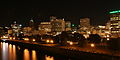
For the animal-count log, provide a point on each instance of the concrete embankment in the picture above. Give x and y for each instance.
(64, 52)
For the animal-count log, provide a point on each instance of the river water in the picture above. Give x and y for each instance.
(13, 52)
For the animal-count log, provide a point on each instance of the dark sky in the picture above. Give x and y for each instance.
(23, 11)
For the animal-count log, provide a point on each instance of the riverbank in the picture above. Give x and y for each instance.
(63, 51)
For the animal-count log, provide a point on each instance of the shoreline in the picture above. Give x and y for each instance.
(62, 51)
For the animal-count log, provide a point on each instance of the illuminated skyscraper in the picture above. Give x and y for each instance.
(45, 26)
(115, 23)
(58, 25)
(67, 26)
(85, 22)
(85, 26)
(31, 24)
(16, 28)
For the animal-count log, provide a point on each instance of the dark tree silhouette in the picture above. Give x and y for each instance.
(94, 38)
(82, 42)
(63, 38)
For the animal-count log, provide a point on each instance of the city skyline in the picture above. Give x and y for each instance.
(60, 30)
(73, 11)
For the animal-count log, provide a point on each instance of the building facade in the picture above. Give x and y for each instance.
(16, 28)
(115, 23)
(58, 25)
(85, 26)
(85, 22)
(67, 26)
(45, 26)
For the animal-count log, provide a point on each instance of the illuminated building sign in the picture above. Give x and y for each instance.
(117, 11)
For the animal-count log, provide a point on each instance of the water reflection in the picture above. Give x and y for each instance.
(4, 51)
(26, 54)
(13, 52)
(10, 51)
(34, 56)
(49, 57)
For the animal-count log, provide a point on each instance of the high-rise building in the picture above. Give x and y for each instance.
(45, 26)
(31, 24)
(108, 24)
(58, 25)
(115, 23)
(85, 26)
(16, 28)
(85, 22)
(67, 26)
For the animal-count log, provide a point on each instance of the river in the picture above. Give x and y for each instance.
(13, 52)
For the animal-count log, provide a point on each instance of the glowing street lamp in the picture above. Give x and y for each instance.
(92, 45)
(34, 40)
(47, 41)
(71, 43)
(26, 39)
(13, 38)
(52, 41)
(108, 39)
(10, 38)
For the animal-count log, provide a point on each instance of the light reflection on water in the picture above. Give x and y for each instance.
(4, 51)
(34, 56)
(13, 52)
(49, 57)
(26, 54)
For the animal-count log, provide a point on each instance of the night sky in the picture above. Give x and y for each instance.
(23, 11)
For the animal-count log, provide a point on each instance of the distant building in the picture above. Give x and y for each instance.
(67, 26)
(74, 27)
(108, 24)
(53, 18)
(45, 26)
(58, 25)
(102, 31)
(85, 22)
(16, 28)
(31, 24)
(85, 26)
(2, 31)
(115, 23)
(27, 31)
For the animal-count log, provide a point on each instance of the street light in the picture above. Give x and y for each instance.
(10, 38)
(33, 39)
(13, 38)
(52, 41)
(26, 39)
(92, 45)
(71, 43)
(47, 41)
(108, 39)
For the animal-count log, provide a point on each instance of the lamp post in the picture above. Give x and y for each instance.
(92, 45)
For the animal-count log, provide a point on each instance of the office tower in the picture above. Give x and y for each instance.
(58, 25)
(67, 26)
(31, 24)
(45, 26)
(85, 22)
(115, 23)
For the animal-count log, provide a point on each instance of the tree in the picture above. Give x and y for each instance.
(78, 36)
(82, 42)
(113, 44)
(94, 38)
(63, 38)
